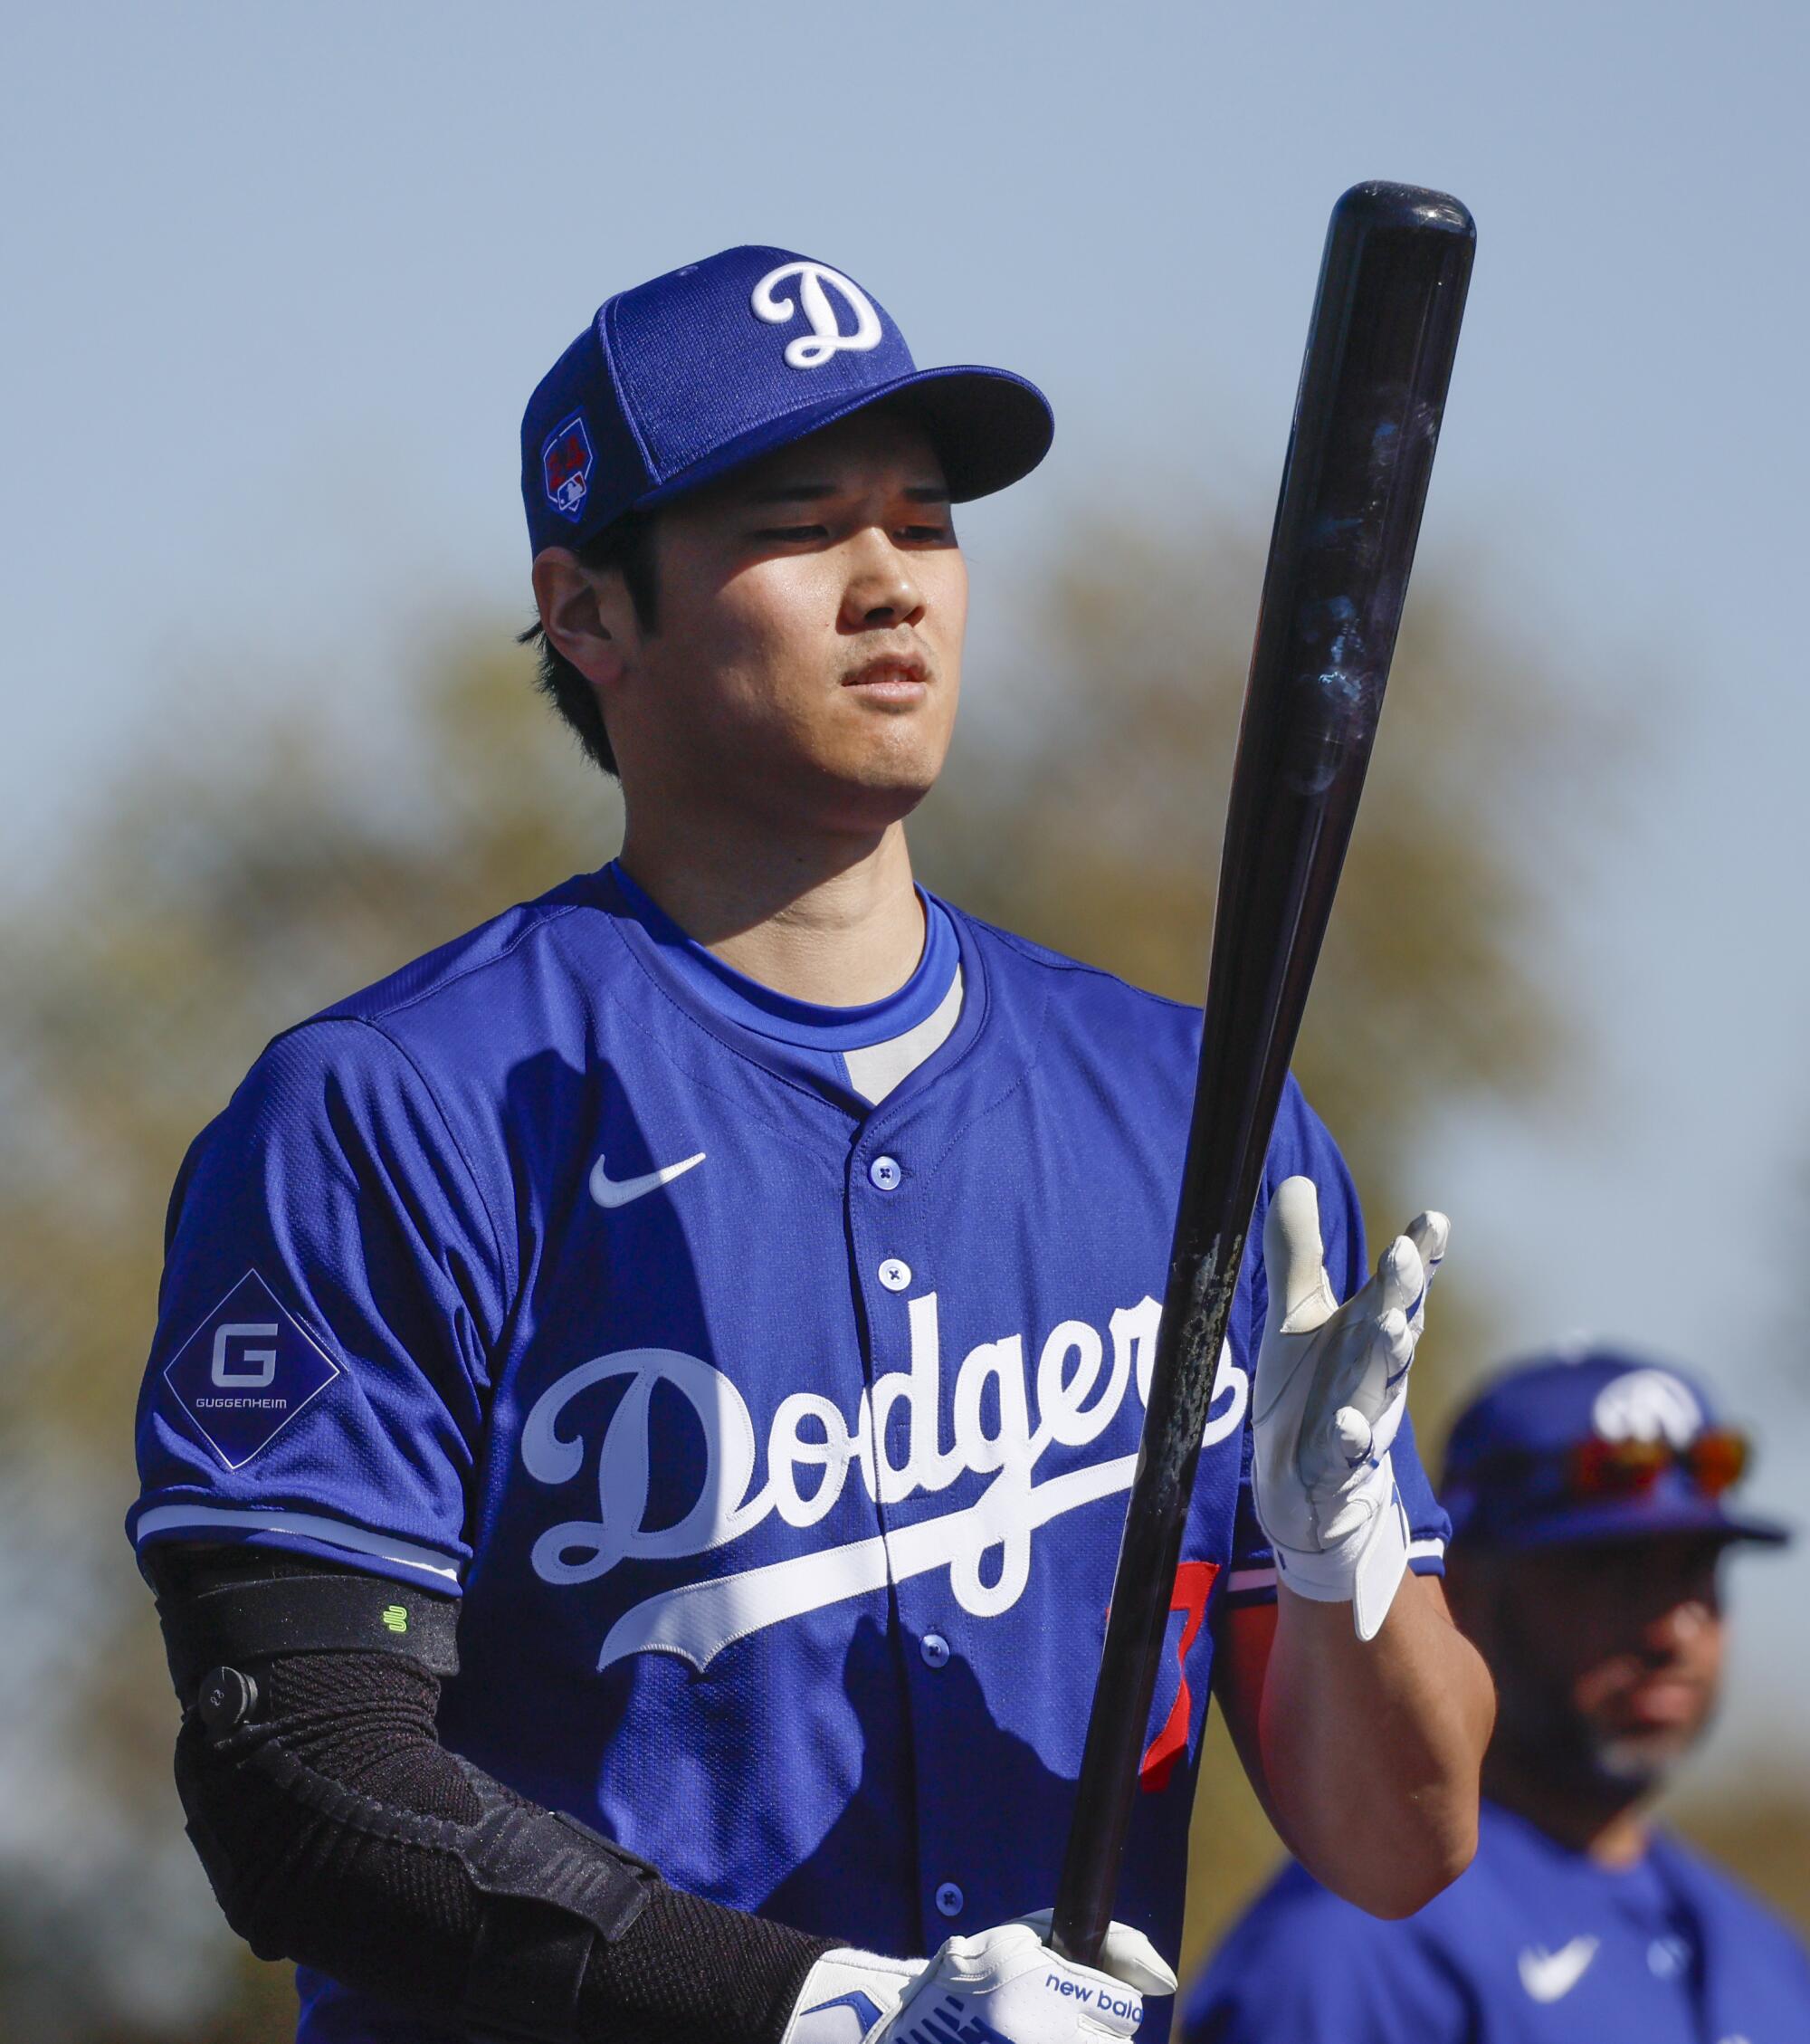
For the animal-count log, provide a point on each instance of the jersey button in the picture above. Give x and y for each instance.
(885, 1173)
(895, 1275)
(949, 1899)
(935, 1649)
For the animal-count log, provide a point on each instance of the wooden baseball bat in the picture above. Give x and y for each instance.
(1372, 391)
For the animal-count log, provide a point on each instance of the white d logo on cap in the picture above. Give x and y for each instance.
(1647, 1404)
(825, 338)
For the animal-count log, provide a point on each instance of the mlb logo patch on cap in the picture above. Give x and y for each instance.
(566, 464)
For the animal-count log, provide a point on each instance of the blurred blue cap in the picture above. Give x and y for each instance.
(680, 380)
(1512, 1464)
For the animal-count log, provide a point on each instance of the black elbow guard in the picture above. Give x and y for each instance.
(338, 1831)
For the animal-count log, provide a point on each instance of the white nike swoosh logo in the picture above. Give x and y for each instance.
(609, 1191)
(1548, 1976)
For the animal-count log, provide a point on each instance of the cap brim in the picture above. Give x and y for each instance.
(989, 427)
(1619, 1519)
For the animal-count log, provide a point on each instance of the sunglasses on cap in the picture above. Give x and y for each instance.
(1716, 1460)
(1594, 1469)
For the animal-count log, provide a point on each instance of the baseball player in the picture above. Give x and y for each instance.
(723, 1292)
(1590, 1500)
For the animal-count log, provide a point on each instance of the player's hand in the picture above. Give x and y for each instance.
(1004, 1986)
(1332, 1388)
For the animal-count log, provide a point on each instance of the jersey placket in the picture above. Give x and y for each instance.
(895, 1275)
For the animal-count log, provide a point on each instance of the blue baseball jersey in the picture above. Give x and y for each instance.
(1534, 1945)
(776, 1442)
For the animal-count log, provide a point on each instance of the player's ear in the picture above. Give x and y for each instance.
(587, 614)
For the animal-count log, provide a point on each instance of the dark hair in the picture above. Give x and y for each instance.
(626, 544)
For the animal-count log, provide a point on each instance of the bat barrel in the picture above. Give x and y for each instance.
(1372, 393)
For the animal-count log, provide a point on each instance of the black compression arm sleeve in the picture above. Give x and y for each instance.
(338, 1831)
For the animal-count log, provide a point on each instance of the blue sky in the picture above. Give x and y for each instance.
(279, 279)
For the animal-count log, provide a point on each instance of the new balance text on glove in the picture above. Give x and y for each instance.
(1004, 1986)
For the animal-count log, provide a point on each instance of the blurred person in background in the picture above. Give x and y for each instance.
(1590, 1498)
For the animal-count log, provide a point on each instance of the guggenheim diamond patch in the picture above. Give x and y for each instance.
(246, 1372)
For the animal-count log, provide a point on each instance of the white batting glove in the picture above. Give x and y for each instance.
(1330, 1391)
(1004, 1986)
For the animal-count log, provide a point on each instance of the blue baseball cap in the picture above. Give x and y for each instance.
(1543, 1457)
(680, 380)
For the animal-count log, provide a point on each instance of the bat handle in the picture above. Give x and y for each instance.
(1196, 1308)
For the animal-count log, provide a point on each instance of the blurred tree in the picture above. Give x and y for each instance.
(253, 869)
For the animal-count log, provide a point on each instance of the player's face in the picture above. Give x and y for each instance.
(809, 652)
(1609, 1655)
